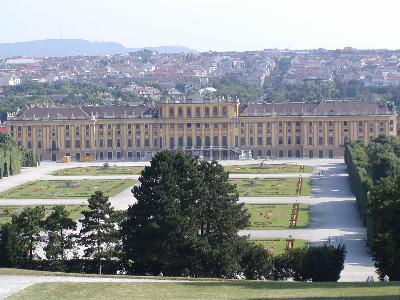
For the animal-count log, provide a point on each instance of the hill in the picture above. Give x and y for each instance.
(74, 47)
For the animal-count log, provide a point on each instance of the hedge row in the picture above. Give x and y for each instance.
(13, 157)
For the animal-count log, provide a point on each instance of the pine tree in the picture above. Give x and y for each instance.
(161, 225)
(185, 221)
(29, 224)
(12, 247)
(99, 235)
(59, 227)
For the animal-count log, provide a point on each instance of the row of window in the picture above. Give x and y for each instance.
(206, 125)
(198, 142)
(198, 112)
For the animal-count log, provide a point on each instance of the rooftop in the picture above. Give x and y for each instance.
(328, 107)
(323, 108)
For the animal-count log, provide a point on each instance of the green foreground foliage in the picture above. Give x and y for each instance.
(211, 290)
(374, 171)
(186, 220)
(6, 212)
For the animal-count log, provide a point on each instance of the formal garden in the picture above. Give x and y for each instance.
(276, 216)
(279, 246)
(6, 212)
(265, 168)
(183, 205)
(53, 189)
(105, 169)
(265, 187)
(109, 169)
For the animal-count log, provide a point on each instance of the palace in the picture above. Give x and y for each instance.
(222, 129)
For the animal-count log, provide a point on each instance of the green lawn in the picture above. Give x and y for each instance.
(48, 189)
(275, 216)
(210, 290)
(278, 246)
(100, 170)
(75, 211)
(264, 187)
(267, 169)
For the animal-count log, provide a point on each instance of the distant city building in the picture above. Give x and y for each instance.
(9, 80)
(220, 129)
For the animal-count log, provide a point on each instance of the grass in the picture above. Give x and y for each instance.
(278, 246)
(210, 290)
(275, 216)
(267, 169)
(264, 187)
(51, 189)
(6, 212)
(100, 170)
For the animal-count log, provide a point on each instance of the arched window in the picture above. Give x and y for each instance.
(224, 111)
(53, 145)
(215, 111)
(189, 142)
(180, 141)
(171, 112)
(207, 141)
(236, 141)
(215, 141)
(224, 140)
(171, 142)
(198, 141)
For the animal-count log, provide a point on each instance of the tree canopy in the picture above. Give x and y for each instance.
(186, 219)
(374, 171)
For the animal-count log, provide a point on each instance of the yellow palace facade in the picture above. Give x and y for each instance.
(208, 129)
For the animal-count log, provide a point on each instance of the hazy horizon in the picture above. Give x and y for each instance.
(207, 25)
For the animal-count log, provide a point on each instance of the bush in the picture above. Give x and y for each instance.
(257, 263)
(324, 263)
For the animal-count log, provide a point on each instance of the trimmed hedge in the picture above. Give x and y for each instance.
(374, 175)
(13, 157)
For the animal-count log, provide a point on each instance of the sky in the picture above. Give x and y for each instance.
(207, 24)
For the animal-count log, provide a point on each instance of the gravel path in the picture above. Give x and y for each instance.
(332, 216)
